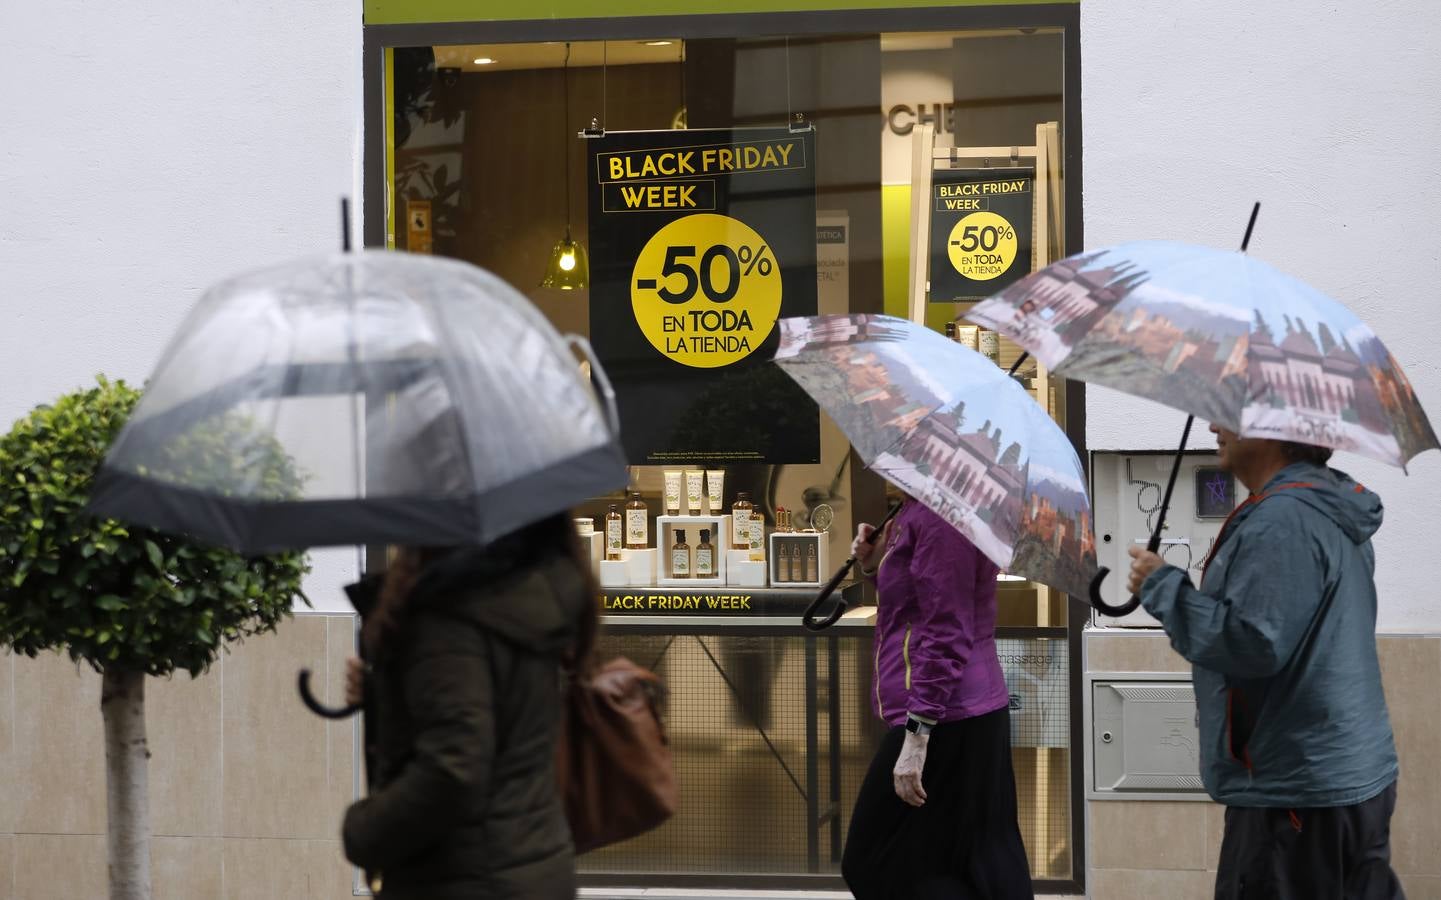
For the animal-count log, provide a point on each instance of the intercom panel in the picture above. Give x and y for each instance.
(1127, 488)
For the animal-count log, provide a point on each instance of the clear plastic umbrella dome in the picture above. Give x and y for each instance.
(363, 398)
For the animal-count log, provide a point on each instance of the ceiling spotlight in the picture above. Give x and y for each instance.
(658, 43)
(483, 61)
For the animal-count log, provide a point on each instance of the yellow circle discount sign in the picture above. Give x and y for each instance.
(706, 290)
(982, 246)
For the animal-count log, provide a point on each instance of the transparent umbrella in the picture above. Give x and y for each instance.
(373, 397)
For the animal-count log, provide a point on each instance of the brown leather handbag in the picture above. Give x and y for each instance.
(614, 762)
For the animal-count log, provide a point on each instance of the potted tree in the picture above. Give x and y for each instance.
(128, 602)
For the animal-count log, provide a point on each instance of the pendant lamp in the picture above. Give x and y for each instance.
(569, 267)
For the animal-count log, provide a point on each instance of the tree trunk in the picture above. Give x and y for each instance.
(127, 767)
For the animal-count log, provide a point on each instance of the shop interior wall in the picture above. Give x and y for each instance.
(1330, 120)
(835, 83)
(510, 207)
(1001, 85)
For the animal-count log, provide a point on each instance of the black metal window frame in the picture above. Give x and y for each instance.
(376, 39)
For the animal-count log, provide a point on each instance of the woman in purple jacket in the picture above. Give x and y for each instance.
(936, 815)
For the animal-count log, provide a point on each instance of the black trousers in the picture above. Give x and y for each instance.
(1322, 853)
(963, 843)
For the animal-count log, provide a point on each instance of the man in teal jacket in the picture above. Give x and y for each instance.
(1295, 739)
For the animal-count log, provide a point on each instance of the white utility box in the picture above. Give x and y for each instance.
(1126, 491)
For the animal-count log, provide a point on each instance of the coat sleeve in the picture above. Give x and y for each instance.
(450, 700)
(939, 639)
(1248, 629)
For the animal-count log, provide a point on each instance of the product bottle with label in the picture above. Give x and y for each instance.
(637, 524)
(741, 521)
(704, 556)
(990, 345)
(950, 331)
(812, 562)
(757, 536)
(614, 533)
(680, 556)
(968, 336)
(783, 561)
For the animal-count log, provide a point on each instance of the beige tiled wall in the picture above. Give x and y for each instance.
(247, 787)
(1140, 850)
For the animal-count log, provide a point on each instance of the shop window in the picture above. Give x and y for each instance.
(488, 161)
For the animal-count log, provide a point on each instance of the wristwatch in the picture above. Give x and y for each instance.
(918, 726)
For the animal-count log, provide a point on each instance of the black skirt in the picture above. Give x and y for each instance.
(964, 842)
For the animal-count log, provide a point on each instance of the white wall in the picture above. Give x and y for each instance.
(148, 149)
(1329, 117)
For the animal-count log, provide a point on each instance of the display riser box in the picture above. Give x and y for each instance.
(742, 571)
(595, 546)
(802, 542)
(635, 568)
(666, 527)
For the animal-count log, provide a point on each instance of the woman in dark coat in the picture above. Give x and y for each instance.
(467, 647)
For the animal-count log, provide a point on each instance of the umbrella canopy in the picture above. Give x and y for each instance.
(948, 427)
(373, 397)
(1221, 336)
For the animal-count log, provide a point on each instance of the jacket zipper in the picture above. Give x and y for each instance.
(880, 708)
(906, 656)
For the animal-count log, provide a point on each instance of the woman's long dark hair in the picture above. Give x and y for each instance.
(553, 536)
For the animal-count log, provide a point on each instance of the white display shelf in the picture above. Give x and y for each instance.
(788, 557)
(635, 568)
(666, 527)
(741, 571)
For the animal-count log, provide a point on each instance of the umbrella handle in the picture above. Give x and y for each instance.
(808, 618)
(602, 380)
(320, 709)
(1102, 606)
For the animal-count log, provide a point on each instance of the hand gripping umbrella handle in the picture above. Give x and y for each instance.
(320, 709)
(602, 380)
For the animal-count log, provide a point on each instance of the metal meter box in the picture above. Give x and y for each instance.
(1142, 738)
(1126, 492)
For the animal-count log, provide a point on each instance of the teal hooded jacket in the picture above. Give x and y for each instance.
(1282, 637)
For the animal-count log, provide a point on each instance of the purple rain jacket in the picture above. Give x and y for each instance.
(935, 640)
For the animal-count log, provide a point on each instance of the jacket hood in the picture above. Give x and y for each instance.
(535, 603)
(1335, 494)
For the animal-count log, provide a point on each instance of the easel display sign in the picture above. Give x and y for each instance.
(982, 227)
(699, 241)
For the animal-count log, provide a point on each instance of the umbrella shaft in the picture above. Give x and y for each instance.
(1155, 543)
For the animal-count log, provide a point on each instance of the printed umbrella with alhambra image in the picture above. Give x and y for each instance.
(954, 431)
(1219, 335)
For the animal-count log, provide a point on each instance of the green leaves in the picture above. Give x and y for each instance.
(108, 593)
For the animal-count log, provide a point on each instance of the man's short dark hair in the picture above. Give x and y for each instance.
(1306, 453)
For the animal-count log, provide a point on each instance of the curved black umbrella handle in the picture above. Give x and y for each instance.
(320, 709)
(808, 619)
(1102, 606)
